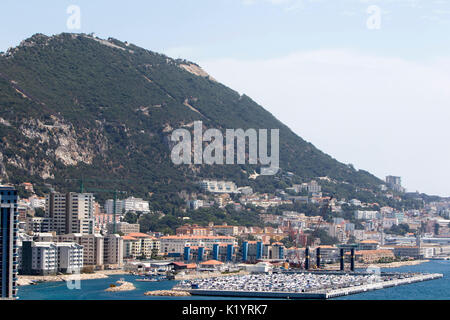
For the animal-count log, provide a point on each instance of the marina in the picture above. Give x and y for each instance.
(301, 285)
(94, 289)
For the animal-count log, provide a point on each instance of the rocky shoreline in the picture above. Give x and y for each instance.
(24, 280)
(124, 286)
(400, 263)
(167, 293)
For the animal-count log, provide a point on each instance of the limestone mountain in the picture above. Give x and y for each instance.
(74, 105)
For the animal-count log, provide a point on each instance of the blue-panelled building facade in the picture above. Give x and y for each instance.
(230, 253)
(8, 242)
(248, 252)
(220, 252)
(195, 254)
(252, 251)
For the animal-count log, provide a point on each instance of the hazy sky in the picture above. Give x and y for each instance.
(368, 82)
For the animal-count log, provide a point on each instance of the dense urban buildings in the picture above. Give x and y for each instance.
(74, 233)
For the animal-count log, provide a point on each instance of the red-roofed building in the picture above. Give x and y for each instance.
(212, 265)
(368, 245)
(176, 244)
(193, 230)
(137, 245)
(183, 266)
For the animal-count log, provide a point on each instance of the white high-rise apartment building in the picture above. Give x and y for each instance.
(55, 209)
(215, 186)
(113, 251)
(93, 246)
(366, 215)
(314, 187)
(80, 213)
(126, 205)
(136, 204)
(70, 257)
(109, 206)
(71, 212)
(45, 258)
(395, 183)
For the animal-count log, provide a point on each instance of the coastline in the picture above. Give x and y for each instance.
(436, 290)
(24, 280)
(399, 264)
(167, 293)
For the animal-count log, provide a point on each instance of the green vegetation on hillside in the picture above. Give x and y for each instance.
(110, 110)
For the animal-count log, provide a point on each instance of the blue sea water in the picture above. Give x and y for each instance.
(95, 289)
(438, 289)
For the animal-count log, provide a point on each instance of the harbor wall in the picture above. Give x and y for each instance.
(321, 294)
(381, 285)
(256, 294)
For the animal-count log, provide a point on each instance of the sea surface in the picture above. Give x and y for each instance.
(95, 289)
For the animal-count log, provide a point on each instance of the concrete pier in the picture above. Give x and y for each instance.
(381, 285)
(249, 294)
(319, 294)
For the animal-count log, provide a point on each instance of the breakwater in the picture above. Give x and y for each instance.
(351, 287)
(381, 285)
(167, 293)
(123, 286)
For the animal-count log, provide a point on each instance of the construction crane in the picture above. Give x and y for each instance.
(82, 180)
(115, 192)
(297, 261)
(323, 212)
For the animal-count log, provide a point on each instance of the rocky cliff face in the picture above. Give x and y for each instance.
(67, 146)
(73, 105)
(45, 147)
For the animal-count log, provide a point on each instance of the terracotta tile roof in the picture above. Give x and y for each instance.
(195, 237)
(139, 235)
(211, 263)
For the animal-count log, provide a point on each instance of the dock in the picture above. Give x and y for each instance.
(381, 285)
(321, 294)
